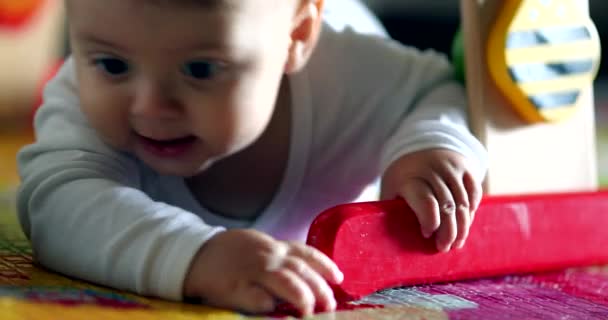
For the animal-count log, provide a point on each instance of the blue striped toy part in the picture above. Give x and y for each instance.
(543, 54)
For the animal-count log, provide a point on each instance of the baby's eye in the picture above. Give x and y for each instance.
(201, 70)
(112, 66)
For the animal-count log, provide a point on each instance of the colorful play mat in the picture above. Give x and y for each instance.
(28, 291)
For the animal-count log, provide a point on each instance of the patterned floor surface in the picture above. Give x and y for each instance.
(28, 291)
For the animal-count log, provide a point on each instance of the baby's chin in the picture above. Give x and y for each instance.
(206, 165)
(176, 168)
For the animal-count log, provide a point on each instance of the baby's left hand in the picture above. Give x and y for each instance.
(440, 188)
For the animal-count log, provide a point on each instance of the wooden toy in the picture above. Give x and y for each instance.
(378, 245)
(541, 54)
(526, 158)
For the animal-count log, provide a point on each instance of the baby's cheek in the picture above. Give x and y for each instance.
(238, 131)
(111, 126)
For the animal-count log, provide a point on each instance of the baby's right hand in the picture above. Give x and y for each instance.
(247, 270)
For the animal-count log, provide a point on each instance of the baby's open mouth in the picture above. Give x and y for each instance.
(171, 142)
(168, 147)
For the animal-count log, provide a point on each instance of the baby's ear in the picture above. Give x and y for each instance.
(305, 31)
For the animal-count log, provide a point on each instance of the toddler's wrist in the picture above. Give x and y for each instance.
(195, 276)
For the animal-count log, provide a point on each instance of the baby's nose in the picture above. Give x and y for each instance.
(155, 101)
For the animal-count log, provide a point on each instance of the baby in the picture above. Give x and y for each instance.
(185, 146)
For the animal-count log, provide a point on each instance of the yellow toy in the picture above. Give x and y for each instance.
(542, 54)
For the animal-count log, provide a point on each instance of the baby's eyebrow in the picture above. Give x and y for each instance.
(216, 45)
(95, 40)
(207, 4)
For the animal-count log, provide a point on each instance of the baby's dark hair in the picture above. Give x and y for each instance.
(194, 3)
(209, 4)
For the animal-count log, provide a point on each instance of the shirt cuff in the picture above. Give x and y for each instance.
(432, 134)
(177, 262)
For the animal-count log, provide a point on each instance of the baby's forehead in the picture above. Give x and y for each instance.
(141, 24)
(200, 4)
(219, 4)
(205, 4)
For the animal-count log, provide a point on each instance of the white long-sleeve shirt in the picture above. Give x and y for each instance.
(362, 101)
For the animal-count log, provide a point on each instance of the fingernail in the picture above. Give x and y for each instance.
(459, 244)
(426, 234)
(309, 311)
(332, 305)
(443, 248)
(340, 276)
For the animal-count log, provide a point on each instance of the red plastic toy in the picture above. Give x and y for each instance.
(16, 13)
(379, 245)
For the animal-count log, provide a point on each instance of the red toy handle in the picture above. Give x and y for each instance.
(379, 245)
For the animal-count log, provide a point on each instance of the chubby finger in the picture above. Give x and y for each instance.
(474, 192)
(463, 224)
(446, 234)
(316, 259)
(288, 286)
(454, 181)
(421, 199)
(443, 194)
(323, 294)
(250, 299)
(443, 186)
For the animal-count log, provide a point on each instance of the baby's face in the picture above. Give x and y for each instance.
(179, 85)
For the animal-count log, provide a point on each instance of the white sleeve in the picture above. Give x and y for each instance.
(437, 118)
(382, 100)
(421, 103)
(81, 207)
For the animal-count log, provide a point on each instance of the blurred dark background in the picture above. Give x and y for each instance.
(433, 23)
